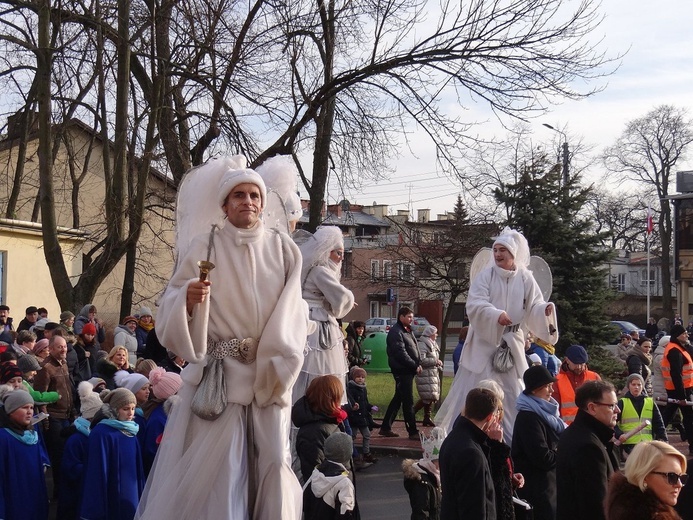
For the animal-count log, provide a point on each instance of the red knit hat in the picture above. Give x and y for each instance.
(89, 329)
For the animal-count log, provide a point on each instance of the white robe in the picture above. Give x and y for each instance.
(328, 300)
(201, 470)
(493, 291)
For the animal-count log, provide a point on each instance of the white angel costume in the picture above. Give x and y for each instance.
(494, 291)
(327, 300)
(235, 467)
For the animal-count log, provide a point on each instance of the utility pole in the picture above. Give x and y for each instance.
(566, 154)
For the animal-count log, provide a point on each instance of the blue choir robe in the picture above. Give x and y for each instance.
(72, 475)
(152, 436)
(23, 492)
(142, 423)
(113, 477)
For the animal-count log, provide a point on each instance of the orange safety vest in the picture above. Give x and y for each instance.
(568, 407)
(686, 370)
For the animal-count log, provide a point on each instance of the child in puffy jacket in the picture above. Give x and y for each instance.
(359, 411)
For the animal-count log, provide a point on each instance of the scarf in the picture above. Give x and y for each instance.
(29, 437)
(83, 426)
(546, 346)
(636, 351)
(145, 326)
(547, 410)
(139, 412)
(339, 415)
(127, 427)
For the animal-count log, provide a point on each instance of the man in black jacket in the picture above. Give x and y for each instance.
(465, 470)
(585, 459)
(404, 361)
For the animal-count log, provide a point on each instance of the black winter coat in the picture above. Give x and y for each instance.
(402, 351)
(465, 474)
(584, 464)
(313, 429)
(424, 491)
(501, 473)
(358, 394)
(534, 455)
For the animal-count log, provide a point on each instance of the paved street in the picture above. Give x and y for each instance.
(380, 491)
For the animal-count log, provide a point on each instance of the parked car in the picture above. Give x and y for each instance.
(379, 324)
(625, 327)
(418, 325)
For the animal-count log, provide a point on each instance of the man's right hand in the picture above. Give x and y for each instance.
(197, 292)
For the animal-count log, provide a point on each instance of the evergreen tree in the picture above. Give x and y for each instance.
(549, 215)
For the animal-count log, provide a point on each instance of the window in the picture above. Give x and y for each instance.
(375, 309)
(346, 264)
(387, 269)
(405, 271)
(621, 282)
(375, 270)
(644, 277)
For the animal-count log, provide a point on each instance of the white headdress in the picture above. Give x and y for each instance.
(283, 204)
(316, 249)
(516, 243)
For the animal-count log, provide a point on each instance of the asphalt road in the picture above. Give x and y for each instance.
(380, 490)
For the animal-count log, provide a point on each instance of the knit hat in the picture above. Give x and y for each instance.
(635, 376)
(127, 319)
(145, 311)
(40, 346)
(338, 448)
(118, 398)
(233, 178)
(89, 328)
(96, 381)
(15, 399)
(677, 330)
(66, 315)
(9, 371)
(357, 372)
(90, 401)
(535, 377)
(27, 363)
(577, 354)
(164, 384)
(39, 325)
(535, 358)
(133, 382)
(663, 341)
(429, 331)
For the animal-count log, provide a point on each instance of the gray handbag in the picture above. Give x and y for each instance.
(503, 358)
(209, 401)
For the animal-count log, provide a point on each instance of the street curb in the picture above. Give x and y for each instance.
(410, 453)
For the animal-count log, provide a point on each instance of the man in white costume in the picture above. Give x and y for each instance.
(504, 303)
(249, 320)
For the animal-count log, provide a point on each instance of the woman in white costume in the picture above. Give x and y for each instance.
(504, 303)
(328, 300)
(243, 332)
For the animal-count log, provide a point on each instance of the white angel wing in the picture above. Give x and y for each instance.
(542, 274)
(482, 259)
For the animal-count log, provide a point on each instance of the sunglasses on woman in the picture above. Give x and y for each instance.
(673, 478)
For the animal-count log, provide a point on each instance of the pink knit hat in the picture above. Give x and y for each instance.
(164, 384)
(40, 346)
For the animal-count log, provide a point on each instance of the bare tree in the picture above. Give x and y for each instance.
(647, 153)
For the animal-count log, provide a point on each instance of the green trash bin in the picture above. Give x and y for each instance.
(374, 349)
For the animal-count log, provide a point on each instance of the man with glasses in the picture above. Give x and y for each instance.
(585, 459)
(677, 373)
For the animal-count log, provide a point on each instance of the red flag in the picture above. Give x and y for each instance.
(650, 223)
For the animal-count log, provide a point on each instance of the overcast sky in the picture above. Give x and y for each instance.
(657, 69)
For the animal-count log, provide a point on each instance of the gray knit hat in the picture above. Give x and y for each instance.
(118, 398)
(27, 363)
(635, 376)
(90, 402)
(338, 448)
(15, 399)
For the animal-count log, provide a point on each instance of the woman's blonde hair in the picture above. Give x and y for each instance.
(645, 457)
(115, 350)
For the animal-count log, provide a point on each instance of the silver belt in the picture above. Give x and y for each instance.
(243, 350)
